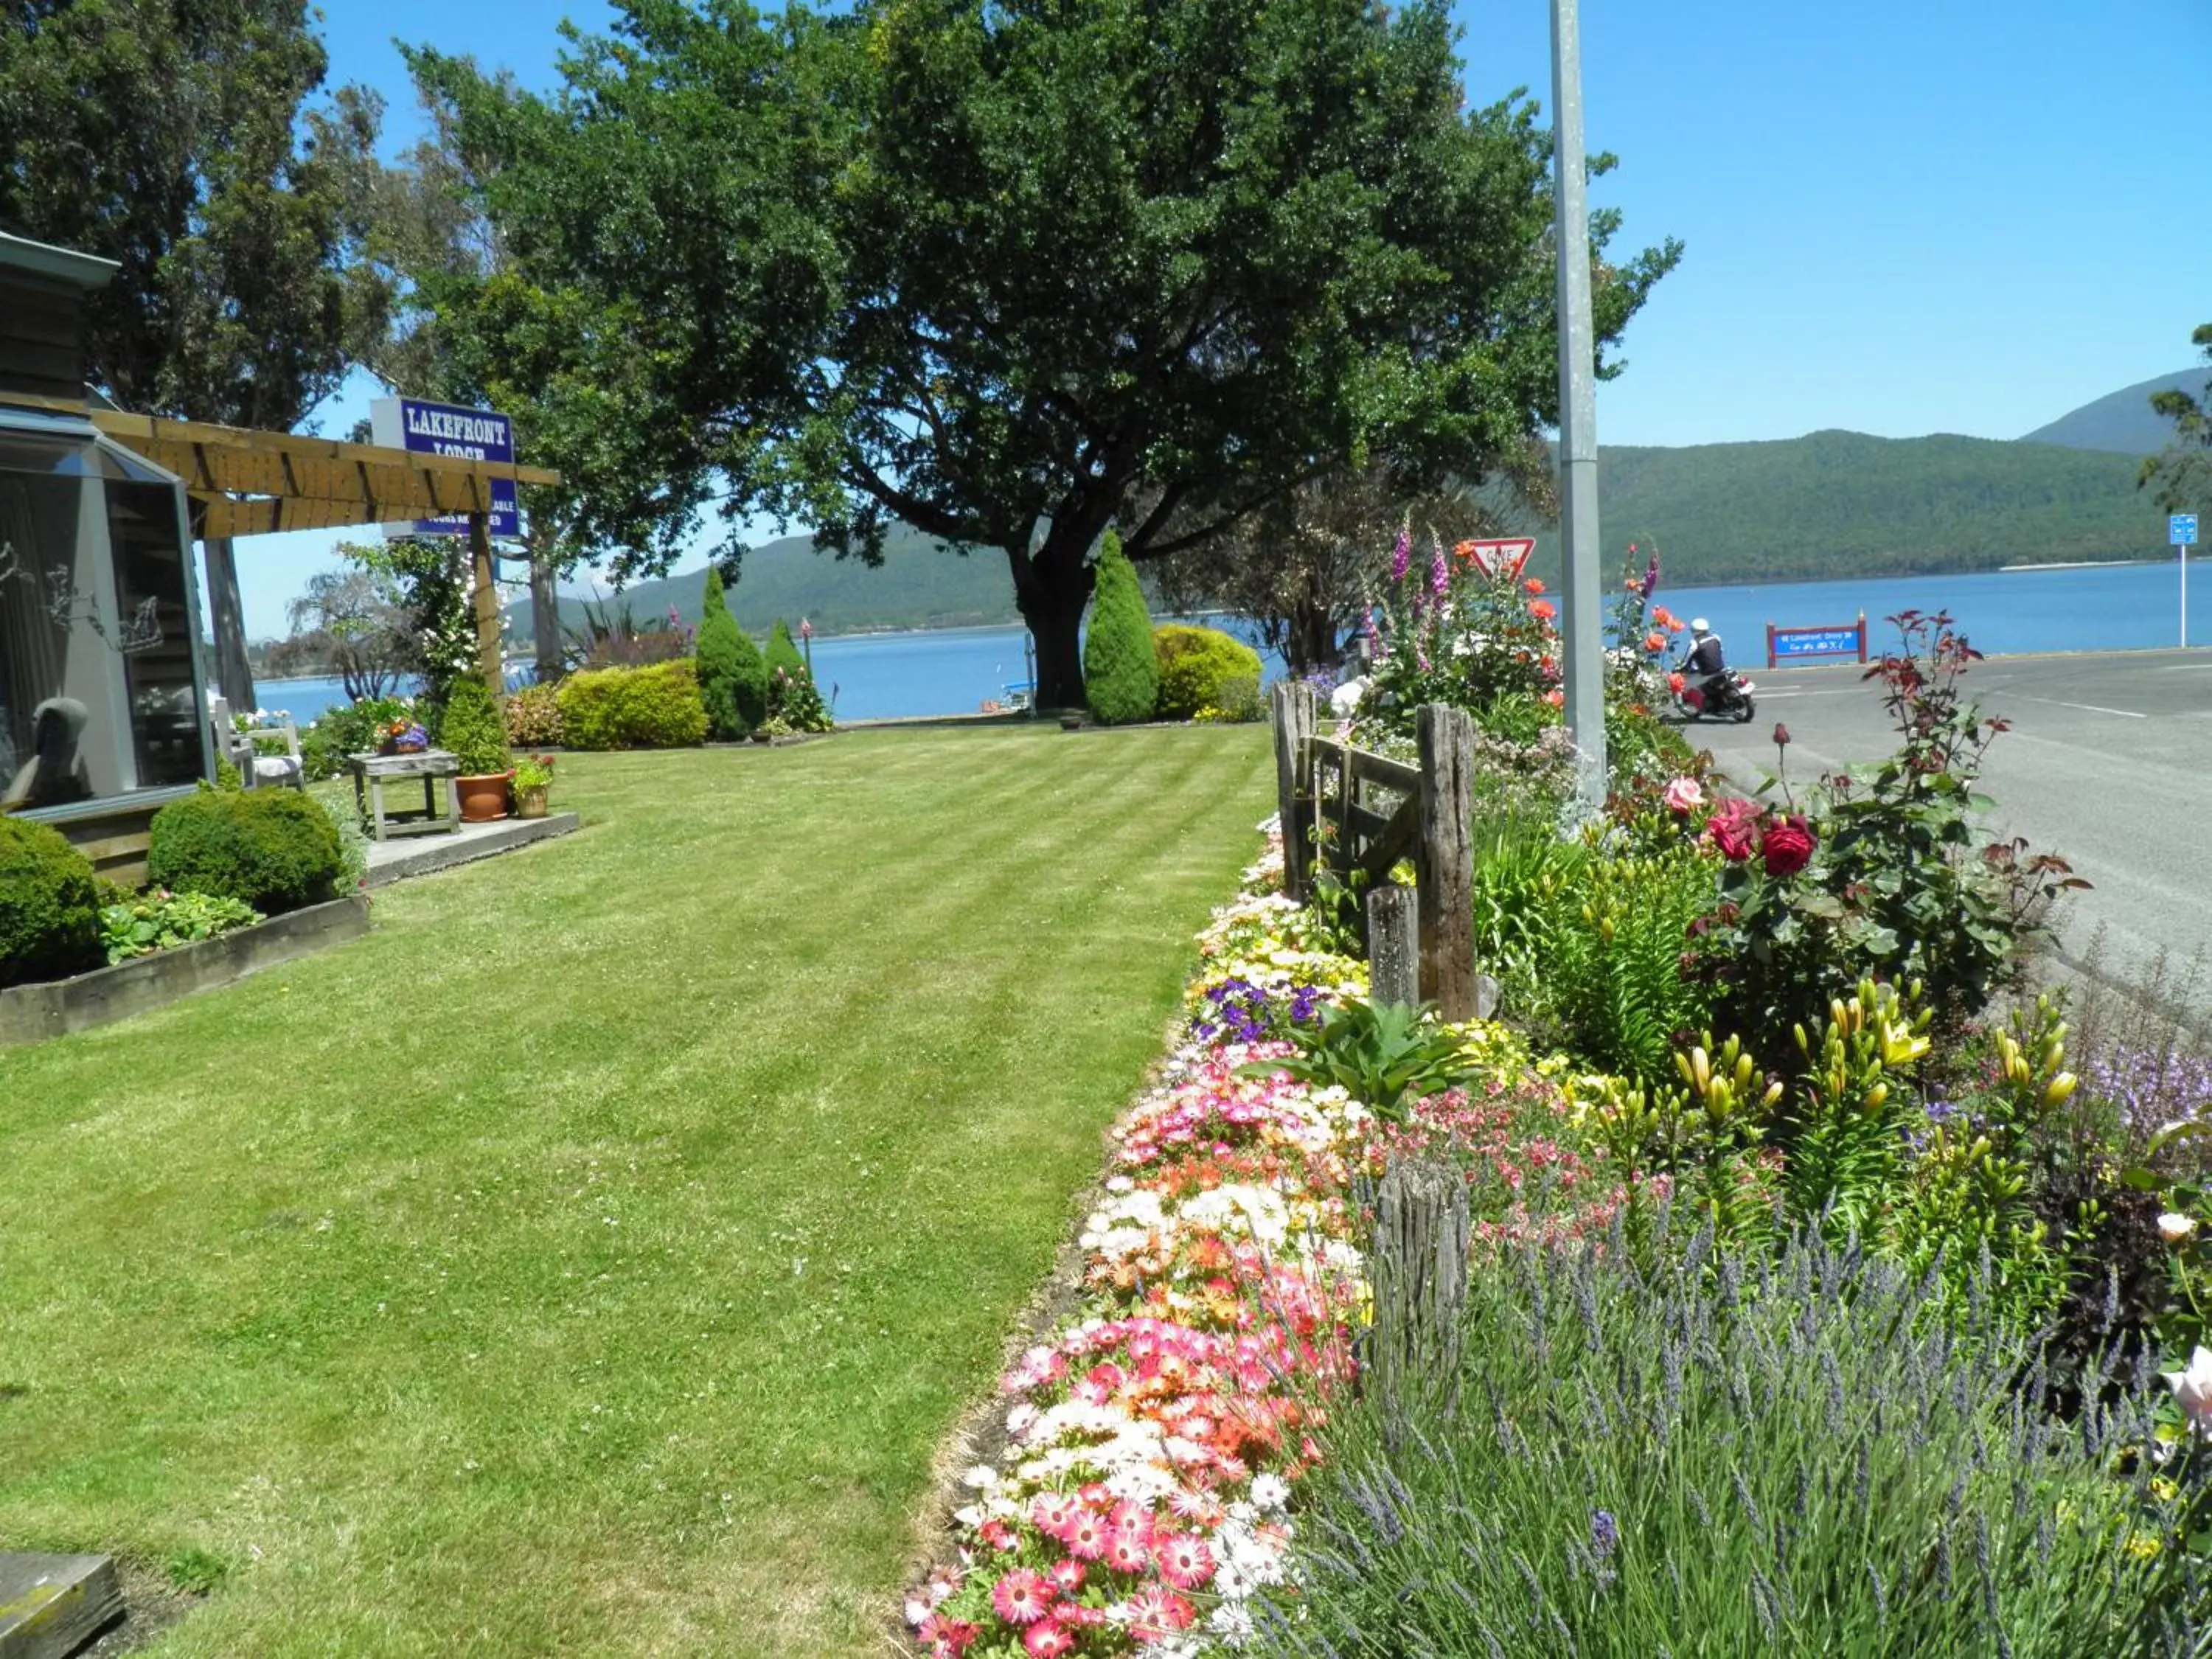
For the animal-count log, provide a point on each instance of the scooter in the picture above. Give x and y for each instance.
(1730, 699)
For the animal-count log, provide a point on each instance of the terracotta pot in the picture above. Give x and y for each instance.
(483, 798)
(531, 803)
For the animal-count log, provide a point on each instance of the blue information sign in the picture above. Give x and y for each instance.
(2181, 529)
(475, 434)
(1815, 641)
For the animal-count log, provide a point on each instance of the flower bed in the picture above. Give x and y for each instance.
(1152, 1442)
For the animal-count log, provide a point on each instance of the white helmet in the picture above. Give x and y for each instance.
(1699, 625)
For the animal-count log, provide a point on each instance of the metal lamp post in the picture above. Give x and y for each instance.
(1584, 582)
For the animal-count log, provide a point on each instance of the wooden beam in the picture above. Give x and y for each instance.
(136, 430)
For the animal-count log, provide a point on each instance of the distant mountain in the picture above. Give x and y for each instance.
(919, 585)
(1839, 504)
(2123, 422)
(1829, 505)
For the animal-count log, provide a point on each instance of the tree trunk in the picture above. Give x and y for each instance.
(1051, 588)
(545, 614)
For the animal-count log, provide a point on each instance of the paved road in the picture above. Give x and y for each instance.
(2109, 764)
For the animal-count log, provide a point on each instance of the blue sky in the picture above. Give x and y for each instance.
(1901, 216)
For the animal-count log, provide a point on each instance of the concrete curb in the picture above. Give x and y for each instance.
(426, 853)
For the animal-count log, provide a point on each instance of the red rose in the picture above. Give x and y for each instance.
(1787, 845)
(1731, 829)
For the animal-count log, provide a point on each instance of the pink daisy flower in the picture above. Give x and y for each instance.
(1185, 1561)
(1157, 1612)
(1053, 1512)
(1126, 1551)
(1047, 1640)
(1086, 1535)
(948, 1638)
(1068, 1575)
(1022, 1596)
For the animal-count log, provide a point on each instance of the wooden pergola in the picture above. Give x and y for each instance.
(244, 483)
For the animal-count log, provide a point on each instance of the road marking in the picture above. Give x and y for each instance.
(2093, 707)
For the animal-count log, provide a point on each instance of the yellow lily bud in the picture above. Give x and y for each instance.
(2060, 1090)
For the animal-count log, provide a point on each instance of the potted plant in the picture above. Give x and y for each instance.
(474, 731)
(533, 783)
(402, 736)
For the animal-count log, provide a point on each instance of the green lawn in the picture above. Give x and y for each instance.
(593, 1259)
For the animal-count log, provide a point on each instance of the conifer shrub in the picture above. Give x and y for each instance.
(274, 849)
(783, 653)
(732, 679)
(657, 706)
(1204, 668)
(1121, 669)
(474, 729)
(49, 905)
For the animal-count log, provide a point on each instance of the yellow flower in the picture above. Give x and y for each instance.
(2143, 1546)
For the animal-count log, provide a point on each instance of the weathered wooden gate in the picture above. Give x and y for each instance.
(1357, 814)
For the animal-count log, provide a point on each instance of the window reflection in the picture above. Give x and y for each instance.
(97, 698)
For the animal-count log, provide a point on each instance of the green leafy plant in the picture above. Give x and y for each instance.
(1120, 669)
(49, 904)
(1385, 1058)
(533, 772)
(1721, 1452)
(474, 729)
(1610, 972)
(1203, 668)
(653, 708)
(273, 848)
(160, 921)
(350, 729)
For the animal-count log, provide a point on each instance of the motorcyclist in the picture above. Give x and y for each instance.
(1705, 667)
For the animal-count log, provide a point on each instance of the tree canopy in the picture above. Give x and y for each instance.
(2183, 471)
(179, 140)
(1017, 273)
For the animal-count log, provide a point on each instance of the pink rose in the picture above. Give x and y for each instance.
(1684, 796)
(1731, 827)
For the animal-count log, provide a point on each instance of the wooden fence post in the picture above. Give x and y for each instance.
(1294, 719)
(1445, 859)
(1394, 950)
(1422, 1234)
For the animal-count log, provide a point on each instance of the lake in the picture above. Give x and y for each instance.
(2098, 608)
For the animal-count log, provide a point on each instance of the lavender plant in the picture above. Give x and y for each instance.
(1797, 1453)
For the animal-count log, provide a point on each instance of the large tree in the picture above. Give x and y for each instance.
(1305, 568)
(1016, 273)
(179, 138)
(2183, 472)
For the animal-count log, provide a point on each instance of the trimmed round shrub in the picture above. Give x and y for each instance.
(1204, 668)
(1121, 670)
(733, 678)
(475, 729)
(49, 905)
(654, 707)
(274, 849)
(533, 717)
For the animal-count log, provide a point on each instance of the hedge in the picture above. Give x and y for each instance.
(49, 905)
(273, 848)
(654, 707)
(1204, 668)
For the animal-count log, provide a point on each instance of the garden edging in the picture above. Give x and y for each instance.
(32, 1013)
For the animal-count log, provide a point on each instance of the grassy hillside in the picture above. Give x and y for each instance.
(1830, 504)
(1836, 504)
(2123, 422)
(919, 585)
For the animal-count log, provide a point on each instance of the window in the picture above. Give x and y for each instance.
(98, 698)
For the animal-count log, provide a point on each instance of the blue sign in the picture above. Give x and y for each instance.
(475, 434)
(1816, 642)
(2181, 529)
